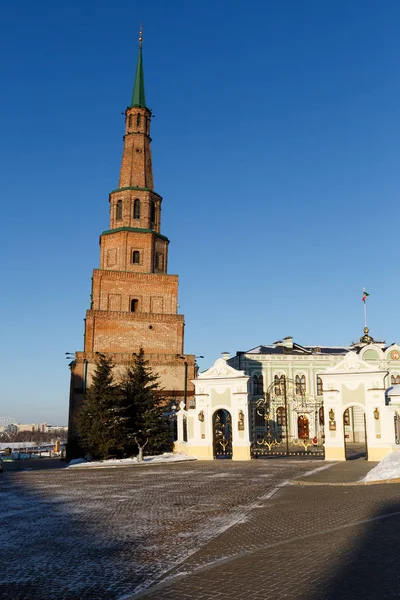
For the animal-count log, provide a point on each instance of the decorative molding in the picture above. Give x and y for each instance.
(221, 370)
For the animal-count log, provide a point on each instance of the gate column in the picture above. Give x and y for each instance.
(220, 388)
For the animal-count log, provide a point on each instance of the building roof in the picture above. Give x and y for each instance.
(138, 96)
(297, 349)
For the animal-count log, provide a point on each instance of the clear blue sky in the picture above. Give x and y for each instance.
(276, 148)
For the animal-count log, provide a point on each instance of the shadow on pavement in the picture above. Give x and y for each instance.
(34, 464)
(52, 547)
(370, 569)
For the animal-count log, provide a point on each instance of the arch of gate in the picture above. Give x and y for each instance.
(354, 431)
(356, 383)
(222, 433)
(220, 417)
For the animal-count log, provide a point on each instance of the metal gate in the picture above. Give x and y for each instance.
(286, 422)
(222, 434)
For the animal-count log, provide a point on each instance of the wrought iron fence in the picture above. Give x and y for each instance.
(287, 422)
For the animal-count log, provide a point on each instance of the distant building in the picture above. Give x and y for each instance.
(29, 427)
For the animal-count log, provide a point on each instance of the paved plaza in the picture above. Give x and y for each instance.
(199, 530)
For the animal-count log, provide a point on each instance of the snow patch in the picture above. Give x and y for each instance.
(388, 468)
(76, 461)
(117, 462)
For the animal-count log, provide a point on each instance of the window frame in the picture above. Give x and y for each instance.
(118, 210)
(136, 208)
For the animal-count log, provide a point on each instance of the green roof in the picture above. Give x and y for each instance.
(138, 96)
(136, 230)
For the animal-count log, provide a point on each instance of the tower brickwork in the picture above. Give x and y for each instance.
(134, 301)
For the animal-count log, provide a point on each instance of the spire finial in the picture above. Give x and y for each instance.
(138, 96)
(141, 36)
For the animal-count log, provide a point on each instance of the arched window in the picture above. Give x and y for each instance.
(129, 121)
(152, 213)
(136, 257)
(395, 379)
(138, 119)
(279, 385)
(281, 416)
(346, 417)
(258, 385)
(319, 386)
(118, 210)
(300, 385)
(136, 209)
(134, 305)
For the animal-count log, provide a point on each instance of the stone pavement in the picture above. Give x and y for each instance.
(198, 530)
(340, 472)
(315, 542)
(103, 533)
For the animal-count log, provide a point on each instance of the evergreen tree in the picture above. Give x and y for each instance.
(100, 421)
(144, 422)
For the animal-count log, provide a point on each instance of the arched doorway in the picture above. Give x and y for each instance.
(222, 434)
(303, 427)
(355, 433)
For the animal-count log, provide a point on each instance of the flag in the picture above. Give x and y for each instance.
(364, 296)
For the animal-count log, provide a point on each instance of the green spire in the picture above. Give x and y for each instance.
(138, 96)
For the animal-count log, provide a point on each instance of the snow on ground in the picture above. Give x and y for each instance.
(117, 462)
(388, 468)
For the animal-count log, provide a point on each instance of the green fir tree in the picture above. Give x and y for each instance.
(145, 425)
(101, 419)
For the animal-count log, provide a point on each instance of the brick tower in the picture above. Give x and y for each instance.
(134, 300)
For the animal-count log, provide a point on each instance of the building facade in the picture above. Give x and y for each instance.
(286, 399)
(134, 300)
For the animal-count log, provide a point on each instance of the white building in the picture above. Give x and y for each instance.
(286, 399)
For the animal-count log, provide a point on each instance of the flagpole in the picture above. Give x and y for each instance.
(365, 314)
(364, 299)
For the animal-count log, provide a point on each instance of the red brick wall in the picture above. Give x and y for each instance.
(116, 251)
(108, 331)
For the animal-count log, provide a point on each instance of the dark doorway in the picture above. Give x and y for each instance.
(222, 434)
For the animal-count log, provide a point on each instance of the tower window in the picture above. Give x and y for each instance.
(118, 211)
(152, 213)
(159, 261)
(136, 209)
(130, 121)
(138, 119)
(134, 305)
(136, 257)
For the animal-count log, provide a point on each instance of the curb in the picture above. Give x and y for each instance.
(348, 483)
